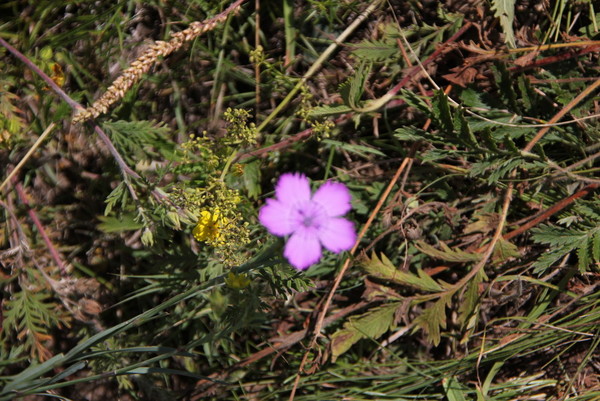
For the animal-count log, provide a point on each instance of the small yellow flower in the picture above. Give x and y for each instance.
(237, 281)
(209, 226)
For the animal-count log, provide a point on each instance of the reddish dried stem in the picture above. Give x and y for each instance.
(36, 221)
(551, 211)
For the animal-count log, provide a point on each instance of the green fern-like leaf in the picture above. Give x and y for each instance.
(563, 241)
(118, 195)
(31, 315)
(353, 89)
(441, 109)
(140, 140)
(469, 307)
(376, 50)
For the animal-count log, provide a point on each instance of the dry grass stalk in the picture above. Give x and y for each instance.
(142, 65)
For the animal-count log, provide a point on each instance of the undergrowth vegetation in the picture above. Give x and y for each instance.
(140, 140)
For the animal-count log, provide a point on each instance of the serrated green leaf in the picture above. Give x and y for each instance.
(371, 324)
(583, 255)
(509, 144)
(376, 321)
(547, 259)
(342, 340)
(251, 176)
(433, 319)
(484, 223)
(353, 89)
(376, 50)
(354, 148)
(554, 236)
(117, 225)
(505, 11)
(470, 299)
(384, 269)
(504, 250)
(140, 140)
(464, 130)
(524, 88)
(504, 81)
(471, 98)
(441, 108)
(490, 142)
(596, 247)
(447, 254)
(324, 111)
(416, 101)
(408, 134)
(119, 194)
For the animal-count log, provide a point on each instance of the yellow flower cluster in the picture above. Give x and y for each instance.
(209, 227)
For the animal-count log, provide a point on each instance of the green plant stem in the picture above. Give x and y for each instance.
(319, 62)
(228, 163)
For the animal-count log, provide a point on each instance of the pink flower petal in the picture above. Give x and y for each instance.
(337, 234)
(292, 189)
(303, 248)
(334, 197)
(279, 219)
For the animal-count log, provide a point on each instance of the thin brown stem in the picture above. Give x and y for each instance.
(38, 224)
(587, 91)
(125, 169)
(338, 279)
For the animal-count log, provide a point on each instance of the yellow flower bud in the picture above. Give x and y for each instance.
(237, 281)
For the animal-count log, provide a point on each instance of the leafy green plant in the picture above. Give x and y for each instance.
(142, 141)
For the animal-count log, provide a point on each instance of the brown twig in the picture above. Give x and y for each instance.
(125, 169)
(276, 344)
(545, 214)
(555, 59)
(587, 91)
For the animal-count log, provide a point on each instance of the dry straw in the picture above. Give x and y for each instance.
(142, 65)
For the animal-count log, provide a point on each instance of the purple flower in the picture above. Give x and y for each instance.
(310, 221)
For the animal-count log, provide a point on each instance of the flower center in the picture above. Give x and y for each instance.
(310, 215)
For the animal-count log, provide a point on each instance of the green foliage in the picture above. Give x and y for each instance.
(353, 89)
(193, 286)
(11, 119)
(505, 11)
(433, 319)
(372, 325)
(376, 50)
(562, 241)
(29, 316)
(447, 254)
(384, 269)
(140, 140)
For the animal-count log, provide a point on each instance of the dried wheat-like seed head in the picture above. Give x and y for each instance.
(143, 63)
